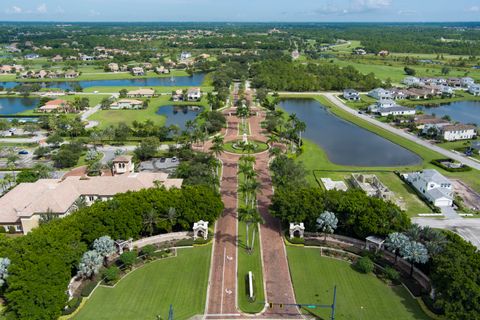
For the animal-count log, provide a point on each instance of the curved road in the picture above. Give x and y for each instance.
(332, 97)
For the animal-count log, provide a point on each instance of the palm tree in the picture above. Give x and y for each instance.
(415, 252)
(327, 223)
(272, 139)
(395, 242)
(254, 188)
(274, 152)
(149, 221)
(171, 217)
(244, 189)
(249, 216)
(414, 232)
(300, 127)
(256, 219)
(249, 147)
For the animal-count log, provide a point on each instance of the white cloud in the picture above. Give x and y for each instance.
(353, 6)
(42, 8)
(14, 9)
(93, 13)
(59, 10)
(474, 9)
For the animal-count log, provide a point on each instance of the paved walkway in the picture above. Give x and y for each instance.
(335, 100)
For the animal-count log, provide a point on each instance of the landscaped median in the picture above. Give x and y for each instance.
(249, 250)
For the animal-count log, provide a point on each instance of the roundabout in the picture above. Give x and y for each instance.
(251, 147)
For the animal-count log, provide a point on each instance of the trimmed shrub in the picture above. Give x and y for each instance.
(72, 305)
(88, 288)
(128, 258)
(391, 274)
(111, 274)
(148, 251)
(438, 163)
(364, 265)
(296, 240)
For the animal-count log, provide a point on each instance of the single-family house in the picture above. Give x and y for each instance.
(138, 71)
(57, 58)
(380, 94)
(87, 58)
(113, 67)
(454, 82)
(396, 111)
(57, 105)
(412, 81)
(351, 95)
(295, 54)
(360, 52)
(71, 74)
(458, 132)
(474, 89)
(31, 56)
(467, 82)
(177, 95)
(162, 70)
(127, 104)
(147, 66)
(23, 206)
(433, 186)
(398, 94)
(141, 93)
(194, 94)
(383, 53)
(185, 55)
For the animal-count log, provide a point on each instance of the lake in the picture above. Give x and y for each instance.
(461, 111)
(17, 105)
(195, 80)
(178, 115)
(344, 142)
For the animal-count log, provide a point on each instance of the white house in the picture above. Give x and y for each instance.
(458, 132)
(185, 55)
(412, 81)
(467, 82)
(382, 104)
(351, 95)
(396, 111)
(127, 104)
(474, 89)
(194, 94)
(380, 94)
(435, 187)
(138, 71)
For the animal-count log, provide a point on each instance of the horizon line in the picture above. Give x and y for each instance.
(220, 21)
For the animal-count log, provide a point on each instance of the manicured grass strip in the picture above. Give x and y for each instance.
(359, 296)
(249, 262)
(149, 291)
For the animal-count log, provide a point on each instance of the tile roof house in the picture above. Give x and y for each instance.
(141, 93)
(55, 106)
(23, 205)
(138, 71)
(127, 104)
(433, 186)
(194, 94)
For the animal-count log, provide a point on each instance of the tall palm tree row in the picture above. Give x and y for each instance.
(248, 188)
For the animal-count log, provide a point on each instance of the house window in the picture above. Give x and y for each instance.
(91, 198)
(18, 228)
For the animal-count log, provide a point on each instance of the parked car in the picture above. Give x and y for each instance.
(23, 152)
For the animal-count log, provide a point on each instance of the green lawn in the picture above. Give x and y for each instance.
(149, 291)
(249, 262)
(359, 296)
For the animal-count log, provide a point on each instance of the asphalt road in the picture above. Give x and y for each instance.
(334, 99)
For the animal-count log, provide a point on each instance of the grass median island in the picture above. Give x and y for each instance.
(249, 261)
(148, 292)
(359, 296)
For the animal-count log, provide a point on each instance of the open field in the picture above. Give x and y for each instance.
(359, 296)
(147, 293)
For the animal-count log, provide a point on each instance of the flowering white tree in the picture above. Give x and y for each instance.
(105, 246)
(327, 223)
(395, 242)
(414, 252)
(4, 264)
(90, 264)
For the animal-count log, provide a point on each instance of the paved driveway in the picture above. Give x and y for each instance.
(468, 228)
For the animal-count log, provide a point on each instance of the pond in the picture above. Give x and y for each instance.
(17, 105)
(178, 115)
(195, 80)
(461, 111)
(344, 142)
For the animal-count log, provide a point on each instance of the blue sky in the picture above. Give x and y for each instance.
(240, 10)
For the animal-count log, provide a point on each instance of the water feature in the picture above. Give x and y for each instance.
(461, 111)
(17, 105)
(195, 80)
(344, 142)
(178, 115)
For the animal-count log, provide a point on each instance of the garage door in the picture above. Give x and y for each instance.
(443, 203)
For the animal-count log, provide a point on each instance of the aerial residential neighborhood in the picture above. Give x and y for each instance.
(258, 160)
